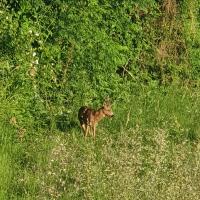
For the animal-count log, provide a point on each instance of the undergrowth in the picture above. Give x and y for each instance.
(149, 150)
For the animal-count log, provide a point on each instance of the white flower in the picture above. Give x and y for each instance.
(34, 54)
(36, 62)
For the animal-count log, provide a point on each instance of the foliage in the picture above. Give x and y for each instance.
(65, 51)
(58, 55)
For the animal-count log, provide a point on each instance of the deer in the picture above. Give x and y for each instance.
(89, 117)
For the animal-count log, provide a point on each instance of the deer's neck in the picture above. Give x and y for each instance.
(99, 115)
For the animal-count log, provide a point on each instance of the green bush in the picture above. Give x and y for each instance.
(56, 56)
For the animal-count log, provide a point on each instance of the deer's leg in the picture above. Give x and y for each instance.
(87, 130)
(90, 130)
(94, 130)
(84, 128)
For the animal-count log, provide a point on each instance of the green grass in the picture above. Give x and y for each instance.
(149, 150)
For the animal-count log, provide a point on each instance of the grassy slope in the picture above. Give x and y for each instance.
(150, 150)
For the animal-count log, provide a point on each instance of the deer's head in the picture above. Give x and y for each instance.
(107, 110)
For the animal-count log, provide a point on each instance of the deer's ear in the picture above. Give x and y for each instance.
(106, 102)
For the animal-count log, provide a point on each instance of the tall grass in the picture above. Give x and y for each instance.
(149, 150)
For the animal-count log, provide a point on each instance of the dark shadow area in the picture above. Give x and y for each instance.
(6, 47)
(64, 123)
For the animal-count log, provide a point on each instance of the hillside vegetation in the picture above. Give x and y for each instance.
(56, 56)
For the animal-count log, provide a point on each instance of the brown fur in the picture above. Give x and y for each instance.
(89, 117)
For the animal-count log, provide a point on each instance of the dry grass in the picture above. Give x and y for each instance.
(140, 164)
(170, 7)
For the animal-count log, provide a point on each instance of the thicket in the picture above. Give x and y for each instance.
(58, 55)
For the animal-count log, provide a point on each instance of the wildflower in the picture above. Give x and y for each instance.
(36, 62)
(13, 121)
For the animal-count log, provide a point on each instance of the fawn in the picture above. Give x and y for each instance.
(89, 117)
